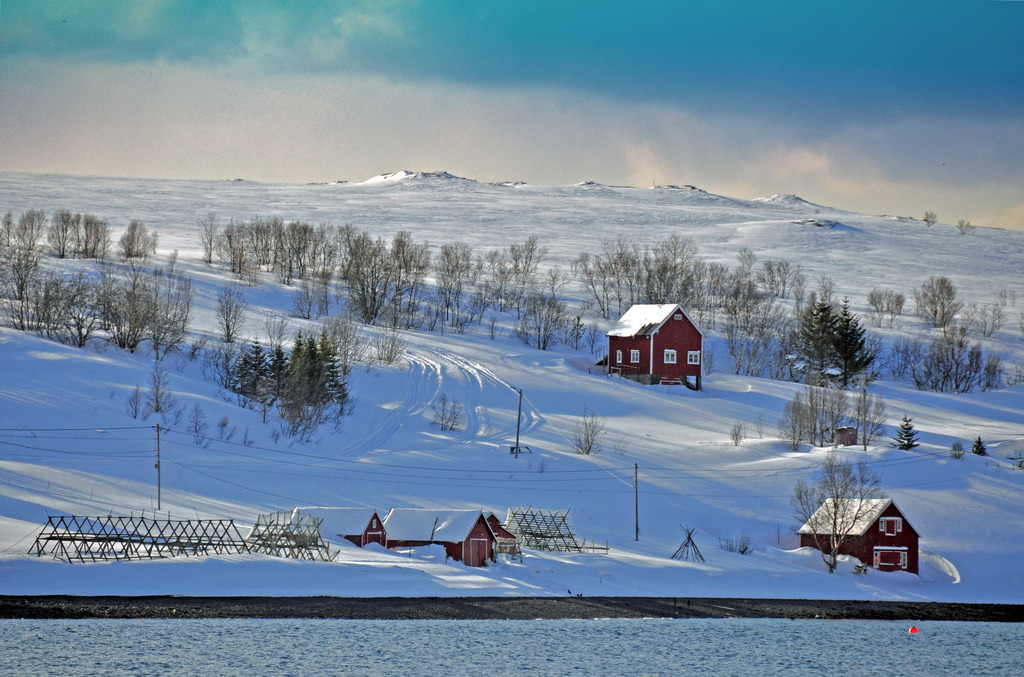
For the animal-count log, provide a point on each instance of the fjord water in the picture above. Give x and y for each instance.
(542, 647)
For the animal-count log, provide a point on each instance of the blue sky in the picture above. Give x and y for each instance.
(892, 107)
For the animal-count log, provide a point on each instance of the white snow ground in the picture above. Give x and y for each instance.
(388, 454)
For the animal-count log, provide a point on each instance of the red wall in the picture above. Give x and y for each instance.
(863, 547)
(679, 335)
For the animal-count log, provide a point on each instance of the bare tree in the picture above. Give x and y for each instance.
(127, 304)
(369, 277)
(388, 345)
(350, 344)
(137, 242)
(30, 229)
(869, 415)
(172, 298)
(736, 433)
(964, 227)
(231, 309)
(95, 243)
(448, 413)
(208, 236)
(950, 363)
(80, 317)
(930, 218)
(542, 320)
(63, 232)
(276, 329)
(158, 398)
(937, 302)
(586, 432)
(833, 504)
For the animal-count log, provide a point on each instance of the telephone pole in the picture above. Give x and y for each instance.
(636, 499)
(158, 506)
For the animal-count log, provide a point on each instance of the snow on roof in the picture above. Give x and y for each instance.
(342, 521)
(641, 318)
(418, 524)
(455, 525)
(862, 514)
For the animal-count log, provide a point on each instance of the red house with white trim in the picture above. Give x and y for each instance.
(467, 535)
(656, 343)
(881, 536)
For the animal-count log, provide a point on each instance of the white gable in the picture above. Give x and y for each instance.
(642, 317)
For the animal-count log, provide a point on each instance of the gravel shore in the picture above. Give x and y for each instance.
(396, 608)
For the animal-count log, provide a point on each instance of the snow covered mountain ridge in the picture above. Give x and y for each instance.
(70, 443)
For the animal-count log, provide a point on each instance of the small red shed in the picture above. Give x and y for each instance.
(656, 343)
(361, 526)
(881, 536)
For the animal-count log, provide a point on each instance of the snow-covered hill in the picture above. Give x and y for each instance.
(388, 454)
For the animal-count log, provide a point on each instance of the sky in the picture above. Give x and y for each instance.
(892, 107)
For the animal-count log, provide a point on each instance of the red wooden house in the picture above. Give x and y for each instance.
(881, 536)
(656, 344)
(467, 535)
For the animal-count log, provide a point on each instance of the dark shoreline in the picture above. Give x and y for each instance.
(496, 608)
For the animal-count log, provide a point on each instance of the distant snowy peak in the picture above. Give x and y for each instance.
(406, 176)
(790, 201)
(672, 186)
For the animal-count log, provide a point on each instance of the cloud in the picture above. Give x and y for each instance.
(173, 120)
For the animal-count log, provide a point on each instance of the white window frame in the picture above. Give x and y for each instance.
(677, 316)
(903, 560)
(693, 357)
(618, 357)
(670, 356)
(634, 357)
(895, 522)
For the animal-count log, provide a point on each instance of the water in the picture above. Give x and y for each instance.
(565, 647)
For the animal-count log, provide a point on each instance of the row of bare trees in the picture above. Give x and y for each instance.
(128, 302)
(73, 235)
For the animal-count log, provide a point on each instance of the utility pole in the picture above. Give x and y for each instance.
(519, 417)
(636, 498)
(158, 466)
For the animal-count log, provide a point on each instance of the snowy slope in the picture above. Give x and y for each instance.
(388, 454)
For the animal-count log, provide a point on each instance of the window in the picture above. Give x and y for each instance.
(903, 560)
(634, 356)
(890, 525)
(670, 357)
(618, 357)
(693, 357)
(677, 316)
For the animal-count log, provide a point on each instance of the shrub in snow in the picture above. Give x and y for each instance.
(739, 544)
(956, 450)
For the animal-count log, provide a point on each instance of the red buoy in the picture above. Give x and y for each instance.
(912, 630)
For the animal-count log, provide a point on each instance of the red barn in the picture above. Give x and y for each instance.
(656, 344)
(881, 536)
(467, 535)
(361, 526)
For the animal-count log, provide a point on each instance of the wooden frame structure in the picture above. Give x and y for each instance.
(289, 534)
(542, 529)
(98, 539)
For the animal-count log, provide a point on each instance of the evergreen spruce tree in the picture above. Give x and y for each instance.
(906, 436)
(251, 371)
(849, 344)
(815, 338)
(979, 447)
(278, 371)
